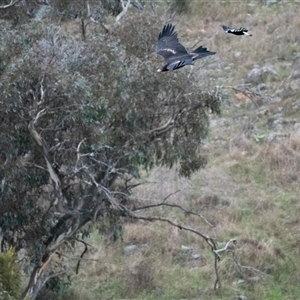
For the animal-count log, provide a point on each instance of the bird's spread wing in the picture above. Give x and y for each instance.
(232, 30)
(226, 28)
(201, 52)
(167, 43)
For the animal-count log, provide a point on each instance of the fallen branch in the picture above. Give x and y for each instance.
(241, 268)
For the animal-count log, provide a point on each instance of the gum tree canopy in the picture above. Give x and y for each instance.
(77, 117)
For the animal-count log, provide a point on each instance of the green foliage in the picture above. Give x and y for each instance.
(55, 288)
(9, 275)
(274, 294)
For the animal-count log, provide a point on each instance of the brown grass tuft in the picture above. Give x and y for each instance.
(139, 279)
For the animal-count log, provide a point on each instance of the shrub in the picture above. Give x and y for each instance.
(9, 275)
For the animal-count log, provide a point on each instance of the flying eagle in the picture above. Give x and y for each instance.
(240, 31)
(174, 53)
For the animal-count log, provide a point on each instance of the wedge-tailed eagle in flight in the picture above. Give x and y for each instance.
(174, 53)
(240, 31)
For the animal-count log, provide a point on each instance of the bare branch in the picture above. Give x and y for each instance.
(208, 239)
(35, 165)
(12, 3)
(88, 8)
(234, 241)
(153, 7)
(58, 202)
(175, 206)
(81, 256)
(247, 94)
(53, 275)
(124, 11)
(242, 268)
(163, 129)
(78, 153)
(83, 29)
(106, 191)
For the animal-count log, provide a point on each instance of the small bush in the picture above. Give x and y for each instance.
(9, 275)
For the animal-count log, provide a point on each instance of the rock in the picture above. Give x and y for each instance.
(270, 1)
(213, 123)
(275, 100)
(279, 109)
(297, 126)
(42, 12)
(186, 249)
(243, 97)
(263, 111)
(289, 121)
(275, 120)
(294, 85)
(223, 122)
(275, 136)
(296, 105)
(257, 74)
(130, 249)
(261, 87)
(239, 298)
(295, 74)
(134, 248)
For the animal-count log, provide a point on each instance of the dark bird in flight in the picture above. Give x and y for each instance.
(174, 53)
(240, 31)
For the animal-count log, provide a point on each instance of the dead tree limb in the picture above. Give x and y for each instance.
(175, 206)
(241, 269)
(12, 3)
(124, 10)
(234, 241)
(81, 256)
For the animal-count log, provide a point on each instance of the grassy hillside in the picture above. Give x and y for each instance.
(249, 190)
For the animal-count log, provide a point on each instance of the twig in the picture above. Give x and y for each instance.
(153, 7)
(208, 239)
(175, 206)
(12, 3)
(78, 152)
(105, 191)
(53, 276)
(124, 11)
(234, 241)
(81, 256)
(240, 268)
(247, 95)
(217, 284)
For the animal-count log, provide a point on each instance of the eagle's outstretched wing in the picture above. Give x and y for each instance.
(201, 52)
(167, 43)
